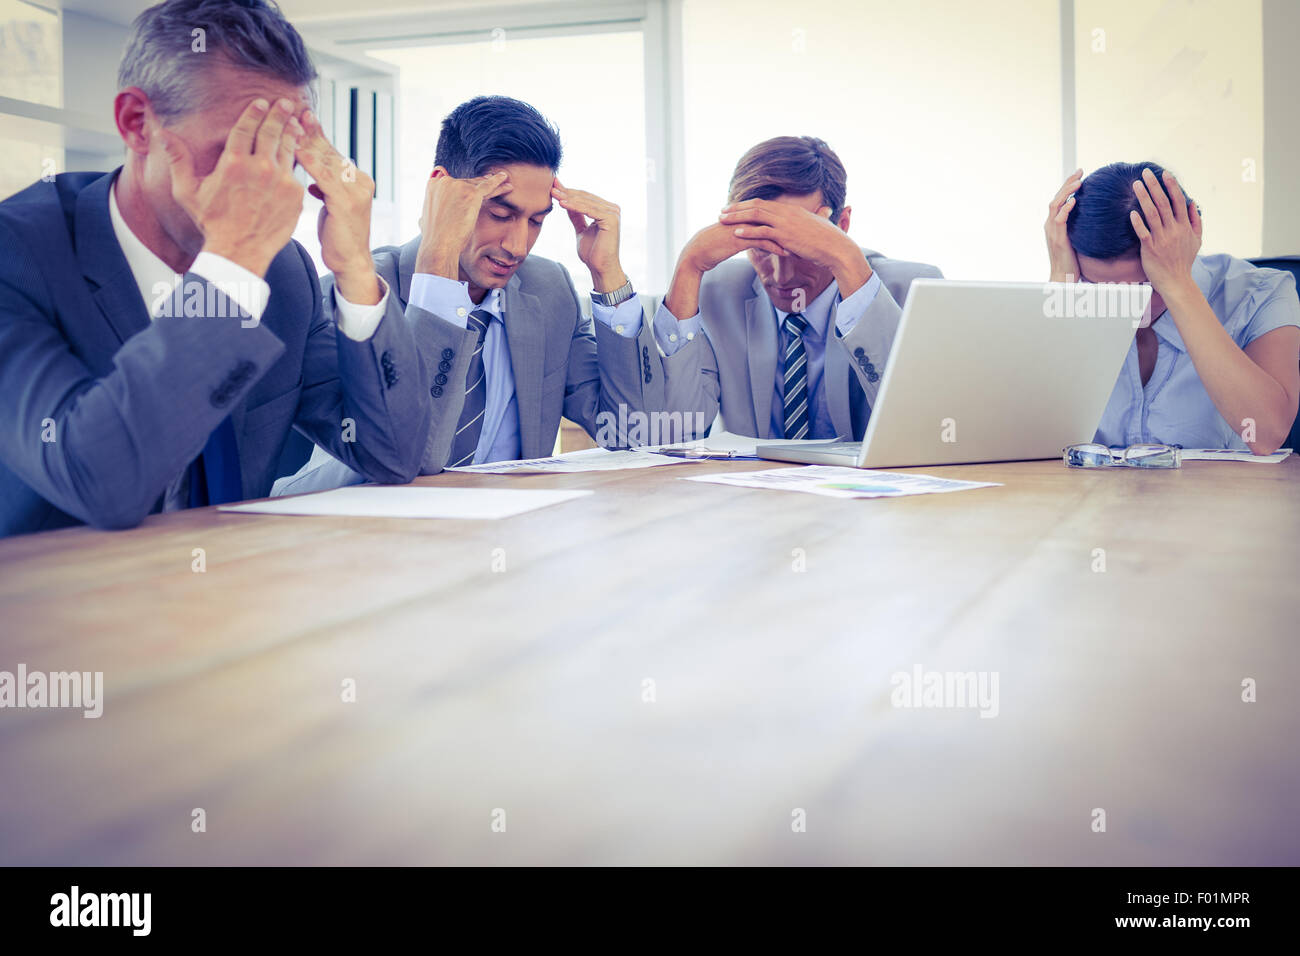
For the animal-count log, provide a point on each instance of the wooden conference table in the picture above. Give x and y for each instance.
(524, 689)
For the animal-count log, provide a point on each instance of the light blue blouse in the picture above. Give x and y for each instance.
(1173, 407)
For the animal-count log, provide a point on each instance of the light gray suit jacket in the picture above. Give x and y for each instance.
(732, 367)
(553, 353)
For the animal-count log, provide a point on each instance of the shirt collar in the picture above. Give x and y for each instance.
(493, 304)
(147, 269)
(817, 313)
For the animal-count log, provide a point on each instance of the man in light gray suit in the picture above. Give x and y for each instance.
(792, 341)
(503, 332)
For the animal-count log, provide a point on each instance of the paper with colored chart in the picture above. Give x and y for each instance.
(1231, 454)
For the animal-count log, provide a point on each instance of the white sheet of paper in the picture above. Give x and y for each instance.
(740, 444)
(1229, 454)
(589, 459)
(837, 481)
(406, 501)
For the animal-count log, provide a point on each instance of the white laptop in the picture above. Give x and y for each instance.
(990, 371)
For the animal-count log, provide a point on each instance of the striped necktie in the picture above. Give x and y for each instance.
(470, 426)
(795, 389)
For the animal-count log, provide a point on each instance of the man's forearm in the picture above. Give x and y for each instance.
(683, 298)
(852, 272)
(432, 259)
(358, 283)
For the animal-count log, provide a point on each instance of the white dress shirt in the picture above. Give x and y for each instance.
(449, 298)
(249, 291)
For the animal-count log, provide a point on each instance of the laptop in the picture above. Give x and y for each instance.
(990, 371)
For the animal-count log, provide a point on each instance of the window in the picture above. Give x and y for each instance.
(30, 73)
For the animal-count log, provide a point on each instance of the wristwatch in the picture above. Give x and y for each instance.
(621, 294)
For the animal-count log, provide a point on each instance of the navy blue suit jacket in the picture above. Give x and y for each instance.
(103, 407)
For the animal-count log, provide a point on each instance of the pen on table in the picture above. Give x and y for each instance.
(722, 453)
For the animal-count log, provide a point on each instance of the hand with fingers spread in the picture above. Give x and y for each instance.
(596, 223)
(718, 243)
(808, 235)
(812, 236)
(248, 206)
(1171, 234)
(1064, 263)
(344, 221)
(451, 209)
(707, 248)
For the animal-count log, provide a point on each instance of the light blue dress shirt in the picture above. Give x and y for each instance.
(449, 299)
(1174, 407)
(673, 335)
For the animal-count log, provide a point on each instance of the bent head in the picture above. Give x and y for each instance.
(804, 171)
(192, 67)
(489, 134)
(1101, 231)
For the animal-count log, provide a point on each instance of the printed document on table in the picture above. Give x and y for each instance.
(407, 501)
(589, 459)
(837, 481)
(1230, 454)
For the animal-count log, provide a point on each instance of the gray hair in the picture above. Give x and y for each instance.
(173, 43)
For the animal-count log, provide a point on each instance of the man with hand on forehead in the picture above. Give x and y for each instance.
(790, 341)
(159, 332)
(508, 347)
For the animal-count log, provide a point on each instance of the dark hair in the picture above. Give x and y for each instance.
(795, 165)
(173, 42)
(1099, 225)
(492, 131)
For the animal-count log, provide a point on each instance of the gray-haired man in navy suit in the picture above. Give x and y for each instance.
(159, 332)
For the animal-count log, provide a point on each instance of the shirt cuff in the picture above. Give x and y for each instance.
(246, 289)
(672, 334)
(624, 318)
(446, 298)
(358, 322)
(856, 305)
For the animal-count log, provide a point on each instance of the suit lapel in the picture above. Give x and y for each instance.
(406, 269)
(526, 338)
(761, 346)
(116, 295)
(835, 379)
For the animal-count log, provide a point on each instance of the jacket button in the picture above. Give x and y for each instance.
(448, 354)
(858, 352)
(444, 366)
(873, 378)
(440, 379)
(436, 391)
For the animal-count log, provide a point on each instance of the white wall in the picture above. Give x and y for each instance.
(946, 116)
(1182, 85)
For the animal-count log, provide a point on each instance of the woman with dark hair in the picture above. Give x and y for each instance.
(1216, 359)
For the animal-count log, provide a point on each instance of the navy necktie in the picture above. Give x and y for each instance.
(470, 426)
(795, 389)
(214, 475)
